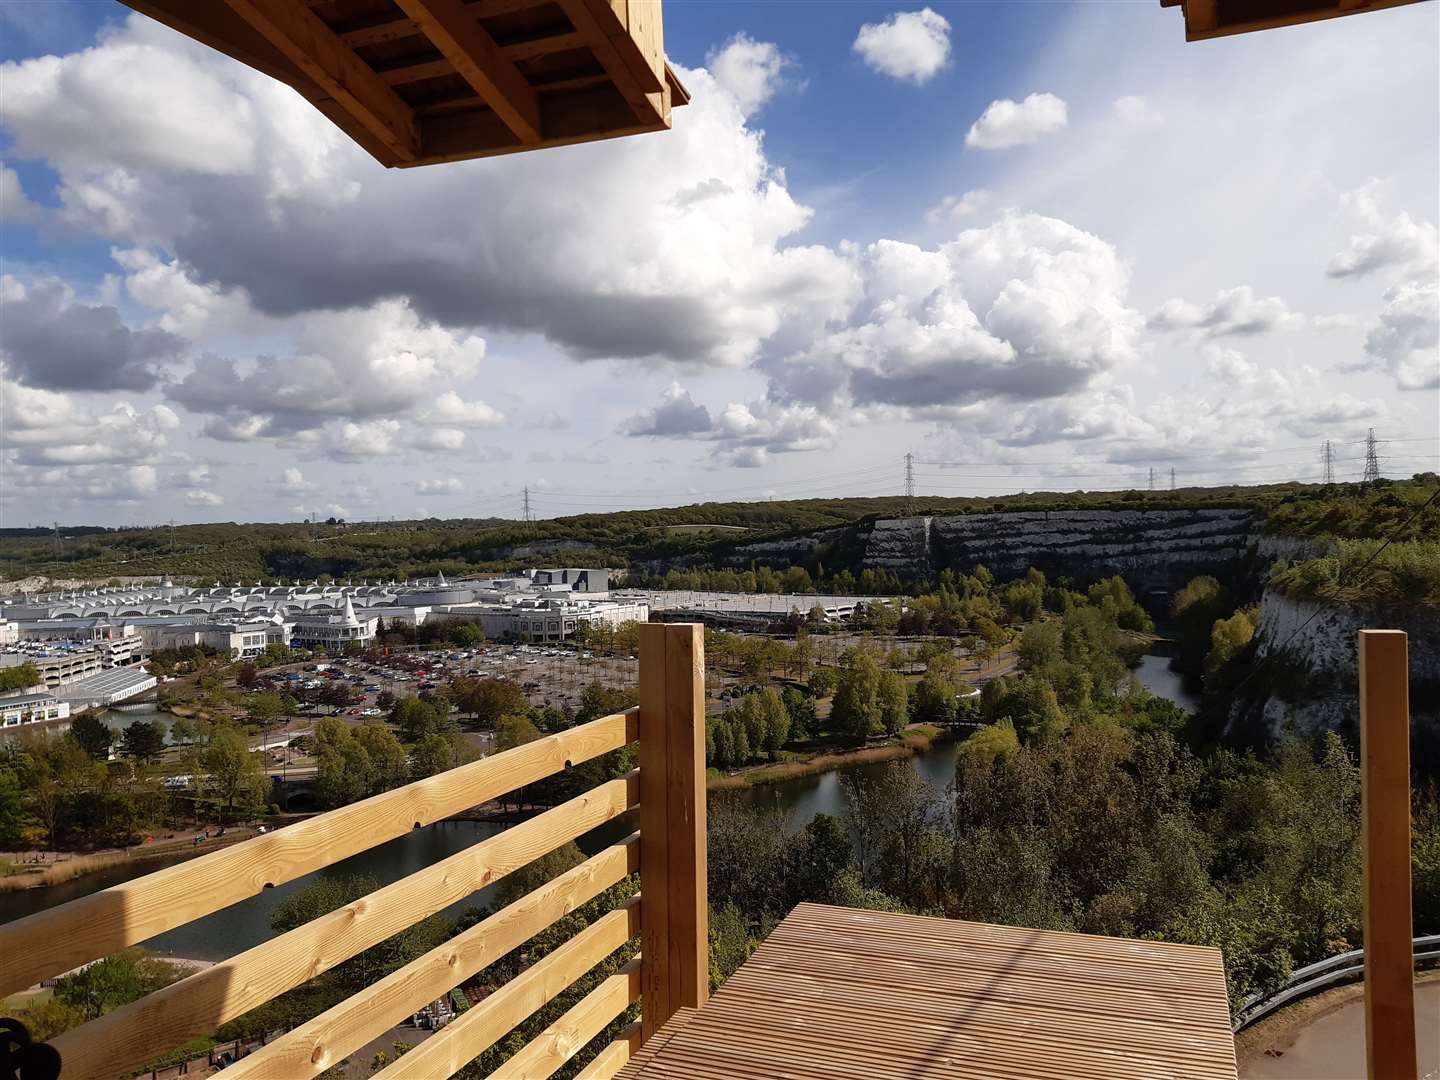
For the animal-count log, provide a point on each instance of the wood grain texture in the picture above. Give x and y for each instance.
(477, 1029)
(54, 941)
(319, 1043)
(118, 1041)
(614, 1057)
(1385, 814)
(569, 1034)
(848, 993)
(313, 47)
(480, 62)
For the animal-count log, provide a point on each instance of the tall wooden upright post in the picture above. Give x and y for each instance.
(1385, 801)
(674, 916)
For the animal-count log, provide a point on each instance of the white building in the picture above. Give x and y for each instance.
(9, 631)
(106, 688)
(17, 710)
(528, 618)
(334, 632)
(235, 640)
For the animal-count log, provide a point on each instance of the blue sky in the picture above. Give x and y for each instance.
(1044, 246)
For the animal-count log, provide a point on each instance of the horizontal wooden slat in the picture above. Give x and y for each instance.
(480, 62)
(398, 29)
(836, 992)
(130, 1036)
(317, 1044)
(568, 1035)
(54, 941)
(523, 50)
(614, 1057)
(475, 1031)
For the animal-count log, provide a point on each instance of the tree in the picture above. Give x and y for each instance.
(893, 701)
(487, 700)
(247, 676)
(143, 741)
(1229, 638)
(20, 677)
(12, 806)
(388, 765)
(856, 710)
(1195, 610)
(418, 718)
(1040, 646)
(990, 742)
(237, 774)
(266, 708)
(801, 709)
(183, 730)
(822, 682)
(439, 753)
(94, 737)
(937, 694)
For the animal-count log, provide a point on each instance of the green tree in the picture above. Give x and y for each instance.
(893, 701)
(143, 741)
(237, 775)
(1195, 609)
(93, 736)
(1229, 638)
(20, 677)
(12, 806)
(487, 700)
(801, 709)
(856, 710)
(439, 753)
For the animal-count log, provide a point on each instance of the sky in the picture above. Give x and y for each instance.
(1038, 246)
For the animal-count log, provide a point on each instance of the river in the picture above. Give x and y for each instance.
(247, 923)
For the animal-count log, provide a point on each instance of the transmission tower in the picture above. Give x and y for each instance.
(527, 502)
(1152, 477)
(1372, 460)
(1327, 458)
(1172, 477)
(910, 482)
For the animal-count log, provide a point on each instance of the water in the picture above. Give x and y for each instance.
(1157, 676)
(118, 718)
(247, 923)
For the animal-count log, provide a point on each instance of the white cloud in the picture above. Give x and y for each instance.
(1029, 307)
(1006, 123)
(955, 208)
(1136, 111)
(293, 482)
(15, 207)
(445, 440)
(440, 486)
(202, 498)
(359, 442)
(450, 408)
(750, 71)
(909, 45)
(1233, 311)
(677, 414)
(1406, 337)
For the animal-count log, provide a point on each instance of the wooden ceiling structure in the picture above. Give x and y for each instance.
(1220, 18)
(418, 82)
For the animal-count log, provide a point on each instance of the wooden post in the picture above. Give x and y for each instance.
(674, 917)
(1385, 801)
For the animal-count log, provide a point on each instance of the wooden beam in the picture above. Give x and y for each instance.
(1385, 813)
(319, 1043)
(612, 1058)
(480, 1027)
(305, 40)
(595, 21)
(119, 1041)
(399, 29)
(541, 1056)
(478, 60)
(520, 50)
(672, 821)
(1200, 16)
(54, 941)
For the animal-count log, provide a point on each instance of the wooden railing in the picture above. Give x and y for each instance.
(669, 914)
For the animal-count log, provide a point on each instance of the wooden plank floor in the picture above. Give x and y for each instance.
(842, 992)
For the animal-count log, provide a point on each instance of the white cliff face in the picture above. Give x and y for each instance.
(1316, 641)
(1149, 547)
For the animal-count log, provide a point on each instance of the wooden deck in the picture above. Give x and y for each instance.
(840, 992)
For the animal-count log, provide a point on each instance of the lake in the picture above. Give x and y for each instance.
(247, 923)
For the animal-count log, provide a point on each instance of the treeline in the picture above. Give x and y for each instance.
(1361, 572)
(271, 552)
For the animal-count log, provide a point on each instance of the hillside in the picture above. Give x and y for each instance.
(651, 539)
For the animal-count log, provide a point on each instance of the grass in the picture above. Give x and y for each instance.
(20, 877)
(911, 741)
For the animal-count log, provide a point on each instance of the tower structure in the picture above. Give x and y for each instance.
(1327, 458)
(910, 482)
(1372, 460)
(1152, 477)
(1172, 477)
(526, 512)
